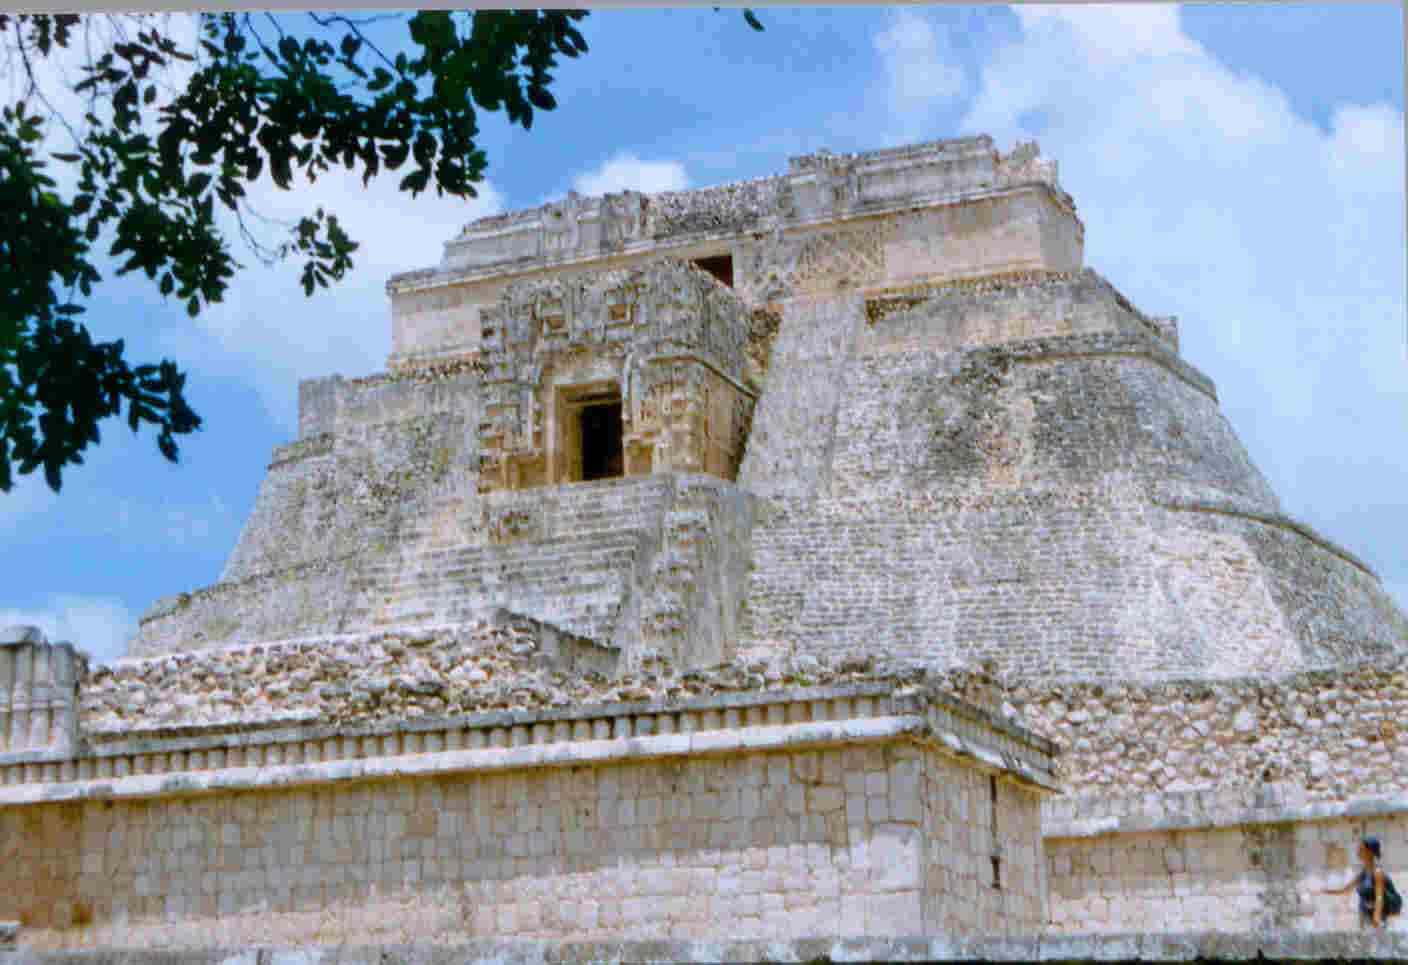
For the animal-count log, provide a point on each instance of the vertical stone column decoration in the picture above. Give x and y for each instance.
(38, 691)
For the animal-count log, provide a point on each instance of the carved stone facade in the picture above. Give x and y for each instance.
(38, 692)
(665, 343)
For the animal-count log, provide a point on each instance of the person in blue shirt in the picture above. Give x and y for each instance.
(1378, 898)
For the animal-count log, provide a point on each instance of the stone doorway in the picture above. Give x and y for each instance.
(601, 440)
(720, 266)
(590, 434)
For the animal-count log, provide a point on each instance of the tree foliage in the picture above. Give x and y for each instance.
(171, 129)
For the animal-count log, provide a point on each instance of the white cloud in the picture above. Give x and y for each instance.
(55, 75)
(1109, 33)
(99, 625)
(271, 333)
(920, 71)
(1279, 244)
(625, 172)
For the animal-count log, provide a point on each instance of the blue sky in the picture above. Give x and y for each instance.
(1240, 166)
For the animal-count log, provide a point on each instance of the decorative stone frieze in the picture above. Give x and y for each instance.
(38, 688)
(818, 187)
(667, 343)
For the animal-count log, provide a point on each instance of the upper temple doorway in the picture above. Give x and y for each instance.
(600, 433)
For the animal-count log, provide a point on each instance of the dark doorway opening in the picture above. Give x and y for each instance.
(601, 441)
(720, 266)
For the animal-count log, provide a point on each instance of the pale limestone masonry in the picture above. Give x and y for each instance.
(1354, 946)
(870, 809)
(915, 423)
(1251, 869)
(38, 692)
(1224, 803)
(1329, 734)
(827, 554)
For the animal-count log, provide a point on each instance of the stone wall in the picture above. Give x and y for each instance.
(378, 521)
(589, 558)
(1221, 804)
(794, 426)
(1249, 877)
(833, 222)
(1081, 583)
(950, 316)
(1064, 497)
(390, 449)
(1337, 734)
(1026, 230)
(383, 461)
(608, 823)
(981, 864)
(407, 675)
(1350, 946)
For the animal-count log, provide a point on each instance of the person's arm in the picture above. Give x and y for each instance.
(1378, 897)
(1342, 891)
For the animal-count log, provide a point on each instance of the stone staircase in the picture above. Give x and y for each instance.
(631, 565)
(577, 583)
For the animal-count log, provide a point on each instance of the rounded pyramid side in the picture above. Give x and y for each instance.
(1023, 470)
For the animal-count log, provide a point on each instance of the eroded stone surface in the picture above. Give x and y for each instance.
(472, 668)
(1334, 734)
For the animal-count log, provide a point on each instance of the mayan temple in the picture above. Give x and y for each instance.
(827, 565)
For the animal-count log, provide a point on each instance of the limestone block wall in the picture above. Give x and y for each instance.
(1024, 230)
(440, 319)
(1041, 413)
(1081, 583)
(303, 600)
(386, 450)
(949, 316)
(689, 602)
(793, 815)
(1041, 380)
(1257, 877)
(979, 838)
(1038, 379)
(1220, 805)
(793, 434)
(374, 518)
(1068, 504)
(568, 555)
(590, 558)
(386, 460)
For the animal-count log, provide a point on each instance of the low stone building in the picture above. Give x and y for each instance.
(825, 555)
